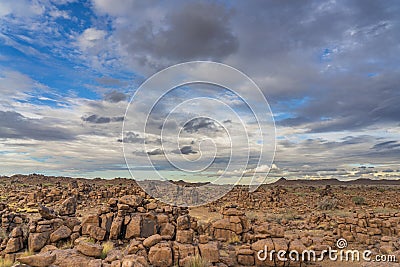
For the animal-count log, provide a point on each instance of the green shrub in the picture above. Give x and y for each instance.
(358, 200)
(328, 203)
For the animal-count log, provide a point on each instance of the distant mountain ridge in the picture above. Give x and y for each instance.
(360, 181)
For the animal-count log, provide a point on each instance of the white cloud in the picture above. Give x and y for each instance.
(90, 38)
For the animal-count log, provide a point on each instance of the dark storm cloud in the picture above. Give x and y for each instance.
(192, 31)
(340, 54)
(100, 120)
(200, 123)
(185, 150)
(115, 96)
(387, 145)
(16, 126)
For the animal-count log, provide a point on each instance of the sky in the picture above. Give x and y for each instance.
(329, 70)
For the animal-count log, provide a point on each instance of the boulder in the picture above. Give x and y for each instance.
(160, 255)
(131, 200)
(89, 249)
(152, 240)
(61, 233)
(68, 207)
(39, 260)
(46, 213)
(209, 251)
(133, 227)
(14, 244)
(116, 227)
(37, 241)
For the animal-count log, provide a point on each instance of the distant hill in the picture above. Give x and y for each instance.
(316, 182)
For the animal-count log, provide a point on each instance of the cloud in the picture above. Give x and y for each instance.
(185, 150)
(194, 30)
(387, 145)
(155, 152)
(115, 96)
(198, 124)
(16, 126)
(97, 119)
(90, 38)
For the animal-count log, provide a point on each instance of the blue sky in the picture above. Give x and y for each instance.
(328, 70)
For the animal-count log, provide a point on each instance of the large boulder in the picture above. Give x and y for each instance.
(68, 207)
(131, 200)
(133, 228)
(161, 255)
(89, 249)
(39, 260)
(46, 213)
(61, 233)
(209, 251)
(14, 244)
(37, 241)
(152, 240)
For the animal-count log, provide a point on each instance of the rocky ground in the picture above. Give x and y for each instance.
(58, 221)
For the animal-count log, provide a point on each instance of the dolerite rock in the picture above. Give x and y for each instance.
(160, 255)
(131, 200)
(152, 240)
(116, 227)
(61, 233)
(37, 241)
(133, 228)
(132, 261)
(14, 244)
(209, 251)
(68, 207)
(97, 233)
(39, 260)
(70, 257)
(89, 249)
(46, 213)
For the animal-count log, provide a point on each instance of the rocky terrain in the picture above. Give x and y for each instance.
(59, 221)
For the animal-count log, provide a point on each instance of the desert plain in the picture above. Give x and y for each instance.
(61, 221)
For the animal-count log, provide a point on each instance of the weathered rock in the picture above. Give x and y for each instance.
(184, 236)
(131, 200)
(152, 240)
(70, 257)
(148, 226)
(209, 251)
(39, 260)
(160, 255)
(14, 244)
(46, 213)
(89, 249)
(68, 207)
(116, 227)
(133, 228)
(133, 261)
(97, 232)
(183, 222)
(37, 241)
(61, 233)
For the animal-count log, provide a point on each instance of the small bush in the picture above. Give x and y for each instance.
(6, 262)
(358, 200)
(197, 261)
(328, 203)
(107, 247)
